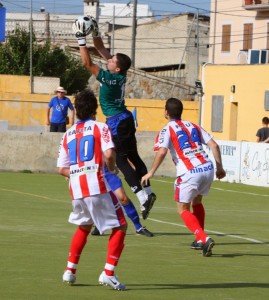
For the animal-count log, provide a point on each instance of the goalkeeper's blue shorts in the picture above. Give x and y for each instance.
(113, 180)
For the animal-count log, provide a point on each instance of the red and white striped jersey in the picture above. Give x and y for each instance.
(185, 141)
(81, 150)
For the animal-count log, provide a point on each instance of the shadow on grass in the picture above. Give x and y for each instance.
(172, 233)
(242, 243)
(164, 286)
(201, 286)
(232, 255)
(155, 234)
(80, 285)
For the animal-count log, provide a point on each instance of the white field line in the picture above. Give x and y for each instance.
(240, 192)
(212, 231)
(159, 221)
(220, 189)
(34, 195)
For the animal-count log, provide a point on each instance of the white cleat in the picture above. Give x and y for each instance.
(112, 281)
(69, 277)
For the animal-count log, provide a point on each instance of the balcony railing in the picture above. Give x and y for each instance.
(256, 4)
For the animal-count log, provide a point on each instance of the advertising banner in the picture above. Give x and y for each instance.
(255, 164)
(230, 153)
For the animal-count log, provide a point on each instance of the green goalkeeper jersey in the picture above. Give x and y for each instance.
(112, 89)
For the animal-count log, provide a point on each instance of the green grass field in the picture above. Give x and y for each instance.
(35, 238)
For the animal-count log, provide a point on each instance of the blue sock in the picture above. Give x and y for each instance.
(131, 212)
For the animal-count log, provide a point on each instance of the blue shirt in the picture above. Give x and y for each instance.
(59, 113)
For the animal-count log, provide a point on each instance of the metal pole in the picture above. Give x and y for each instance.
(214, 36)
(31, 46)
(134, 33)
(197, 45)
(47, 26)
(199, 89)
(113, 32)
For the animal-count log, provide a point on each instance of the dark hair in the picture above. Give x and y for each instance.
(123, 62)
(174, 108)
(85, 104)
(265, 120)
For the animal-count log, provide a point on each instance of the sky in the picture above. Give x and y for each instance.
(159, 7)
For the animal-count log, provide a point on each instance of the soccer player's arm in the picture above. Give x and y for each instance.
(159, 157)
(108, 149)
(63, 162)
(87, 61)
(110, 159)
(100, 47)
(220, 172)
(64, 172)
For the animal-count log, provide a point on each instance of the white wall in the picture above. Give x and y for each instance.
(244, 162)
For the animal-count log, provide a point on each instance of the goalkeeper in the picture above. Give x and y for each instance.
(118, 118)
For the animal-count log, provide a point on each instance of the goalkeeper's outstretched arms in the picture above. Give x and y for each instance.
(98, 42)
(82, 27)
(100, 47)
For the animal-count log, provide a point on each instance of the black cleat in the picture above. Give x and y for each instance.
(147, 206)
(196, 245)
(207, 247)
(95, 231)
(144, 231)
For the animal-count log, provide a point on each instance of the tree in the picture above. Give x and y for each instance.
(47, 61)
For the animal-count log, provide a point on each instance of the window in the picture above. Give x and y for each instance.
(248, 36)
(267, 36)
(217, 114)
(226, 38)
(266, 100)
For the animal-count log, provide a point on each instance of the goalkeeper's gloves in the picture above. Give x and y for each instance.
(80, 35)
(95, 31)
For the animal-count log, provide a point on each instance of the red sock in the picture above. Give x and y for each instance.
(193, 225)
(115, 247)
(78, 242)
(199, 212)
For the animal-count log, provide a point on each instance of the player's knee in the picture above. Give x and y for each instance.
(124, 199)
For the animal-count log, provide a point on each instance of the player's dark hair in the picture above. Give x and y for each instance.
(174, 108)
(123, 62)
(85, 104)
(265, 120)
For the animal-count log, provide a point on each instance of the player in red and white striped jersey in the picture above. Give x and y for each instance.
(84, 151)
(195, 171)
(86, 164)
(185, 147)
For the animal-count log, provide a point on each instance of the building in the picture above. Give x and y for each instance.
(235, 80)
(173, 47)
(58, 27)
(239, 33)
(119, 14)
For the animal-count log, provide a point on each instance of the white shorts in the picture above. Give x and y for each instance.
(195, 182)
(103, 210)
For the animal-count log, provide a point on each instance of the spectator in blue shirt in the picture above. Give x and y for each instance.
(59, 104)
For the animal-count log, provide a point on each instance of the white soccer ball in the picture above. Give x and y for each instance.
(84, 24)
